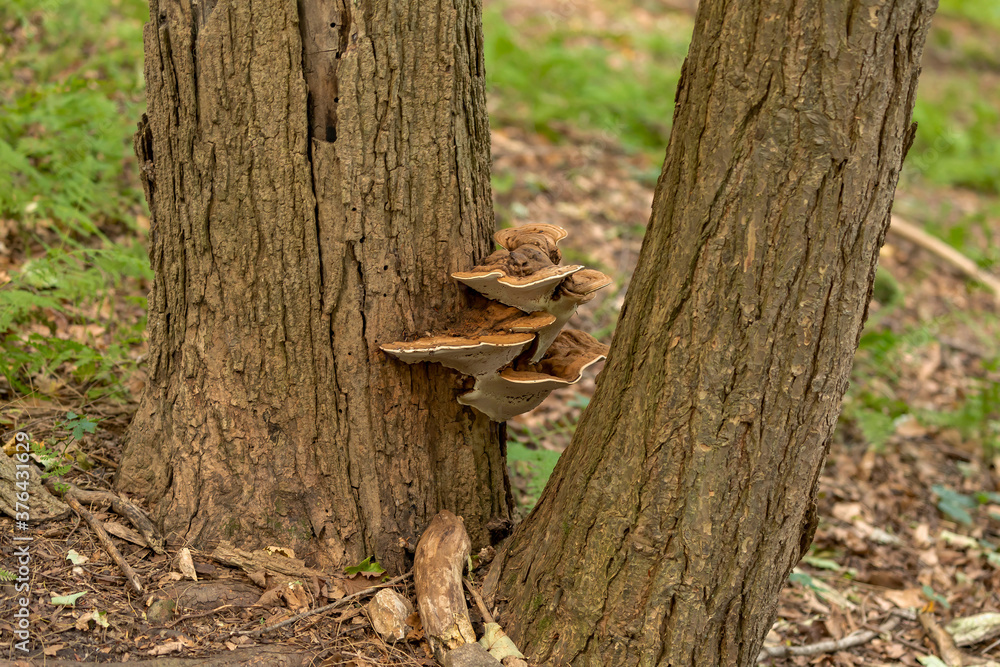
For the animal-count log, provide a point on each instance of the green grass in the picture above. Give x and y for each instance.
(71, 91)
(535, 465)
(978, 11)
(618, 84)
(958, 136)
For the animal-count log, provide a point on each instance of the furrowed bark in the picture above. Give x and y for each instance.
(687, 495)
(315, 172)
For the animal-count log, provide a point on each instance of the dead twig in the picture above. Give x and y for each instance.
(829, 646)
(321, 610)
(914, 234)
(199, 614)
(946, 645)
(483, 611)
(123, 508)
(105, 540)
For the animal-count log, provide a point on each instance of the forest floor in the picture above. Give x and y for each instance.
(909, 538)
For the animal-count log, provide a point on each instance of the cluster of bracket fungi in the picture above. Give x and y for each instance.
(515, 350)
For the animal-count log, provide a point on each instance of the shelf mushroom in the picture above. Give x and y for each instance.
(483, 345)
(514, 391)
(516, 351)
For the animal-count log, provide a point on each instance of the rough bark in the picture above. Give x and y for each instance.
(686, 497)
(315, 172)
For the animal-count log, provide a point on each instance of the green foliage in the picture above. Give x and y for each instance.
(933, 596)
(53, 462)
(976, 418)
(78, 425)
(69, 104)
(959, 506)
(6, 575)
(618, 83)
(536, 465)
(367, 567)
(978, 11)
(957, 141)
(71, 91)
(78, 285)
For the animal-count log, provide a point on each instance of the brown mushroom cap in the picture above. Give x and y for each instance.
(582, 285)
(486, 341)
(517, 390)
(470, 356)
(540, 235)
(529, 293)
(570, 354)
(571, 293)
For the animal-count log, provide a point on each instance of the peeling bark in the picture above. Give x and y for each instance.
(315, 172)
(687, 495)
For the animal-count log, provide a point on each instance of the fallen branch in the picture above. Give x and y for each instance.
(105, 540)
(121, 507)
(321, 610)
(946, 645)
(828, 646)
(914, 234)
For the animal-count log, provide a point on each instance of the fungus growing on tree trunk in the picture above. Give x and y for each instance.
(517, 359)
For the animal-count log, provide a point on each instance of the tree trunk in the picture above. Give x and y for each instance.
(315, 172)
(687, 495)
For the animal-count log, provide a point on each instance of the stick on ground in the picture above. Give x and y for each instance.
(914, 234)
(320, 610)
(105, 540)
(829, 646)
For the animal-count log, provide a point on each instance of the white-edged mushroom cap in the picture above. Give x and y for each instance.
(582, 284)
(516, 391)
(578, 288)
(472, 356)
(529, 293)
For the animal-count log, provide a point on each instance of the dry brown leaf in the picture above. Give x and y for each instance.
(848, 512)
(296, 597)
(905, 599)
(186, 565)
(168, 647)
(52, 649)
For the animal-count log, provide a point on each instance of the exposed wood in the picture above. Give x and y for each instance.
(44, 505)
(442, 554)
(480, 604)
(914, 234)
(260, 560)
(109, 546)
(330, 607)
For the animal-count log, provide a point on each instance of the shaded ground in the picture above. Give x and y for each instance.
(909, 499)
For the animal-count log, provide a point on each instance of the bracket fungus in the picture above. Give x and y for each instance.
(517, 352)
(522, 387)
